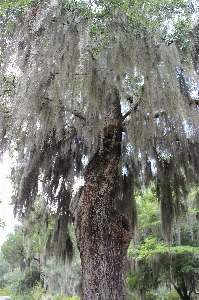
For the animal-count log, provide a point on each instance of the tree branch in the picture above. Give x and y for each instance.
(78, 115)
(75, 113)
(170, 273)
(119, 124)
(111, 127)
(196, 101)
(135, 106)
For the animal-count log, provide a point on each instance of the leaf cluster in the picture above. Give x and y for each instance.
(154, 261)
(14, 4)
(169, 18)
(13, 250)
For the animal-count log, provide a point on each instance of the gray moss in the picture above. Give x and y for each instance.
(61, 106)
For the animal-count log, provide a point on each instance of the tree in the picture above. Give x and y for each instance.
(177, 265)
(107, 91)
(4, 268)
(55, 276)
(13, 250)
(2, 223)
(24, 264)
(152, 262)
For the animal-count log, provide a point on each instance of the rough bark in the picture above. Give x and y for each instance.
(103, 235)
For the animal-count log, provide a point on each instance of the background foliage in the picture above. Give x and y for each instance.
(151, 263)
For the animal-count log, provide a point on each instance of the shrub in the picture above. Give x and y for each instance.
(38, 292)
(151, 296)
(20, 297)
(5, 292)
(61, 297)
(173, 295)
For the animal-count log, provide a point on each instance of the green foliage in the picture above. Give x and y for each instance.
(157, 262)
(37, 292)
(131, 282)
(173, 295)
(61, 297)
(4, 291)
(12, 279)
(149, 212)
(13, 250)
(141, 17)
(21, 297)
(25, 273)
(178, 259)
(22, 261)
(13, 4)
(36, 237)
(29, 280)
(151, 296)
(4, 268)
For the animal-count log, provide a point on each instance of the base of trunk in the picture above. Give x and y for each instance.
(103, 257)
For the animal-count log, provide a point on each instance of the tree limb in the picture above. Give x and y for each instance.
(78, 115)
(135, 106)
(111, 127)
(120, 123)
(196, 101)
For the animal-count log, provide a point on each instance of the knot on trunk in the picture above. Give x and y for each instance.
(120, 228)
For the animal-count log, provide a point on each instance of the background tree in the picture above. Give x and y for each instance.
(13, 250)
(55, 276)
(158, 264)
(153, 262)
(2, 223)
(4, 268)
(25, 257)
(24, 267)
(106, 91)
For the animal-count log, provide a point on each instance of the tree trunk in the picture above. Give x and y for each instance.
(183, 293)
(142, 294)
(103, 235)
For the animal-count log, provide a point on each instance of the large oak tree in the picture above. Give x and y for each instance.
(105, 91)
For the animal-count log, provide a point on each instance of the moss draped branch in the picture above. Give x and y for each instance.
(112, 127)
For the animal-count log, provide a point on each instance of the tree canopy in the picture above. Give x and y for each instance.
(74, 72)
